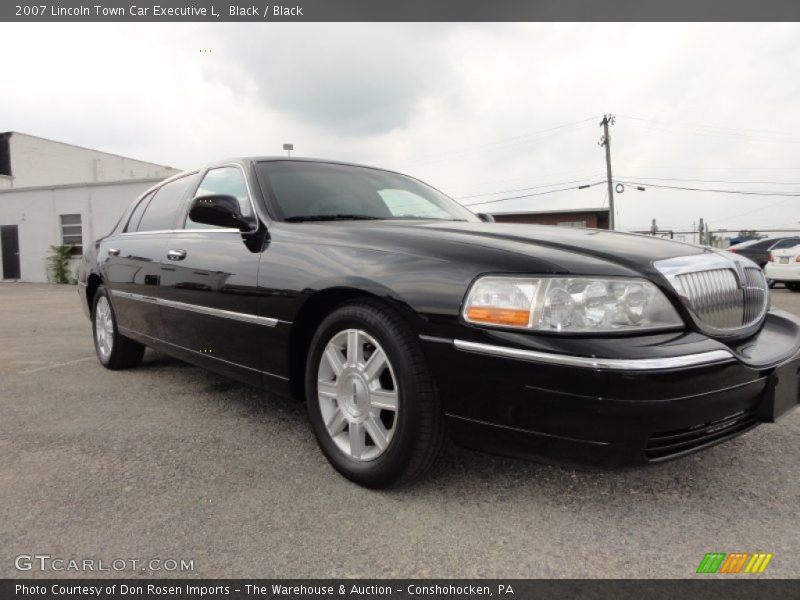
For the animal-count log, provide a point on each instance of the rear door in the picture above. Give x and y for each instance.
(132, 259)
(209, 277)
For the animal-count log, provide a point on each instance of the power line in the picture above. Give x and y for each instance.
(503, 142)
(750, 212)
(525, 189)
(706, 126)
(466, 187)
(714, 131)
(579, 187)
(695, 167)
(718, 191)
(710, 180)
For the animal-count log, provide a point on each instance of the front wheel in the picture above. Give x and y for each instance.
(370, 397)
(795, 287)
(114, 350)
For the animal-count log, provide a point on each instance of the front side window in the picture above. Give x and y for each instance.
(160, 213)
(311, 191)
(223, 181)
(72, 233)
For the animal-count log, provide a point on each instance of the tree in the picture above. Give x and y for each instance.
(748, 233)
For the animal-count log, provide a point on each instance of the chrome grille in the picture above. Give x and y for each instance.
(724, 294)
(715, 296)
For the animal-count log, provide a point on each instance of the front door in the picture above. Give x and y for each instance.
(9, 237)
(209, 278)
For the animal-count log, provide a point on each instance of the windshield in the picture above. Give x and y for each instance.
(312, 191)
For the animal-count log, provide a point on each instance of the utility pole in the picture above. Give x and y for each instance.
(606, 141)
(702, 230)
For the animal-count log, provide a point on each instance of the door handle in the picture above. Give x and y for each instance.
(176, 254)
(113, 251)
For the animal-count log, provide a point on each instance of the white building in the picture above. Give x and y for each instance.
(53, 193)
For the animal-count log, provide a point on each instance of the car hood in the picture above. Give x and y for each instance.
(631, 248)
(505, 246)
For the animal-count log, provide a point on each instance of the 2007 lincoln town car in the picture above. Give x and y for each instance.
(401, 319)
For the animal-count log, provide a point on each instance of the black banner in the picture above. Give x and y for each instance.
(399, 10)
(746, 588)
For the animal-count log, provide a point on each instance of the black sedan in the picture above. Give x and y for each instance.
(402, 319)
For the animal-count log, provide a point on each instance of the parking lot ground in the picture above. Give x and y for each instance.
(168, 461)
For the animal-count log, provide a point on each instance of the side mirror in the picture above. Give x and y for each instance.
(486, 217)
(219, 210)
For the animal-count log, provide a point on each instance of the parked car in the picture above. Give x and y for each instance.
(402, 319)
(783, 266)
(758, 250)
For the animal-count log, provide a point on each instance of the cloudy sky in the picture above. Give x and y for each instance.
(483, 112)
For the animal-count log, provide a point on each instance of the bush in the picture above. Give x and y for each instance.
(58, 264)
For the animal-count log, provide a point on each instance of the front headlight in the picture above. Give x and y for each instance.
(569, 304)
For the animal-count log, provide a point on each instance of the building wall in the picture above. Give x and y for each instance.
(592, 219)
(37, 161)
(36, 212)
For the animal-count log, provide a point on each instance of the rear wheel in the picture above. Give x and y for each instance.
(370, 397)
(114, 350)
(795, 287)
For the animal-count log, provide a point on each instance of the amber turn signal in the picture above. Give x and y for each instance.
(499, 316)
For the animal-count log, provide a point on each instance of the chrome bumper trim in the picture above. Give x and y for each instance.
(204, 310)
(601, 364)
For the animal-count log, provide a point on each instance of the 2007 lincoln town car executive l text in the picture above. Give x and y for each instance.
(402, 319)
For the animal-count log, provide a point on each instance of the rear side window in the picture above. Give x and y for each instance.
(790, 243)
(136, 215)
(160, 212)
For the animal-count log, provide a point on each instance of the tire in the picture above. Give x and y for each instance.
(369, 442)
(114, 350)
(771, 283)
(795, 287)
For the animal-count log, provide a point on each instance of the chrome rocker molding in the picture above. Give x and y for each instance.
(204, 310)
(601, 364)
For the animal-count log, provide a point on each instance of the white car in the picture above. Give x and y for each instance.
(783, 266)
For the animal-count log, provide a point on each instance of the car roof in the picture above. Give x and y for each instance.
(765, 241)
(749, 243)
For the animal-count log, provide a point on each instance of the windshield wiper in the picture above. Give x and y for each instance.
(420, 218)
(336, 217)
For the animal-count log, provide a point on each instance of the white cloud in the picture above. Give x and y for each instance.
(440, 101)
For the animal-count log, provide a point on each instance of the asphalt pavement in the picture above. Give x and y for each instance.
(169, 462)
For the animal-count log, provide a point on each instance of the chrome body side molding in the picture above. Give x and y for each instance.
(205, 310)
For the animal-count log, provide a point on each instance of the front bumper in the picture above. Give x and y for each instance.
(617, 401)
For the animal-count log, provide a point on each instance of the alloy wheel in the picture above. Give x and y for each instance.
(358, 395)
(103, 327)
